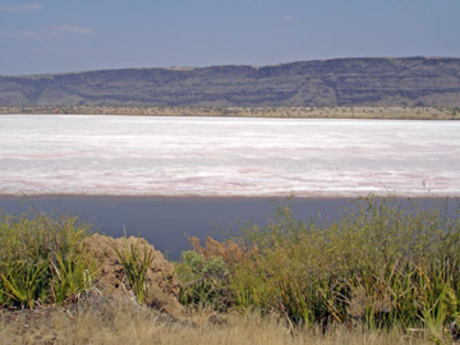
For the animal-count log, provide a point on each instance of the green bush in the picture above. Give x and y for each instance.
(41, 259)
(203, 280)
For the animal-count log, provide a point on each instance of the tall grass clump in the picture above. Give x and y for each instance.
(381, 264)
(135, 262)
(41, 260)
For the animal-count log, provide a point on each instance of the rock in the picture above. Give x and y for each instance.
(163, 290)
(218, 320)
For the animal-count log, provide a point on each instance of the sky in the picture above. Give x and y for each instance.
(50, 36)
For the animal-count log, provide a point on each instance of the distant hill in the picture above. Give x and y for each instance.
(416, 81)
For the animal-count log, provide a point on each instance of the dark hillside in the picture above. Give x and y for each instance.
(341, 82)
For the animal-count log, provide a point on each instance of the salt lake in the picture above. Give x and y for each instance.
(215, 157)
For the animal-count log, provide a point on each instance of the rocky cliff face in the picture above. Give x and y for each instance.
(340, 82)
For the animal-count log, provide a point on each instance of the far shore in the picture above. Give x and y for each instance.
(349, 112)
(318, 195)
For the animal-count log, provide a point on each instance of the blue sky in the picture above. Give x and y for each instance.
(43, 36)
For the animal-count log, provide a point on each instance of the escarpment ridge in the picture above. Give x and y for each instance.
(415, 81)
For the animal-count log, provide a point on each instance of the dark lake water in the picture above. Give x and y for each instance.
(168, 222)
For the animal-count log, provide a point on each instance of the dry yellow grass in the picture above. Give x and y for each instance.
(121, 323)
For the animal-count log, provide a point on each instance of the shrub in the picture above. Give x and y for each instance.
(455, 111)
(203, 280)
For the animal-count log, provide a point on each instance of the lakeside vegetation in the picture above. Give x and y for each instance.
(343, 112)
(381, 273)
(41, 261)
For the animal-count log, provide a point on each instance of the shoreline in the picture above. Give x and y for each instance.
(341, 112)
(192, 197)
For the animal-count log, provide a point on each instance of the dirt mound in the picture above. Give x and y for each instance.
(162, 291)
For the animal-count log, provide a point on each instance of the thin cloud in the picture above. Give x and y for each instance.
(70, 29)
(288, 17)
(56, 31)
(20, 8)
